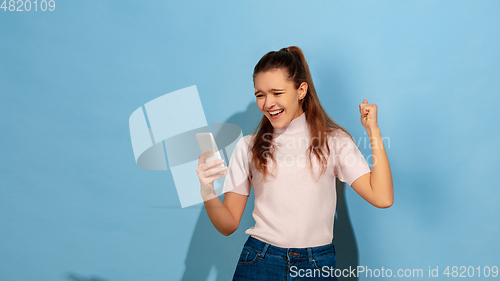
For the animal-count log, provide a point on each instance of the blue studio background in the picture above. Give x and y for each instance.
(75, 206)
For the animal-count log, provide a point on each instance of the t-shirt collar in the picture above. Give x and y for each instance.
(297, 125)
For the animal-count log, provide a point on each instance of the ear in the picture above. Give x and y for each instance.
(302, 90)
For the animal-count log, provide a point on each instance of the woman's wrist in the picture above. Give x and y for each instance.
(372, 130)
(207, 193)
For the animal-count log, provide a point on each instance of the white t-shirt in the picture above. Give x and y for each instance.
(291, 209)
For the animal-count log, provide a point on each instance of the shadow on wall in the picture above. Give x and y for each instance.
(76, 277)
(344, 240)
(213, 256)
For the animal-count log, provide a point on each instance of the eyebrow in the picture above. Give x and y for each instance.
(274, 90)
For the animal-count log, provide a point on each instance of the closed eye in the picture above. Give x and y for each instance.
(277, 94)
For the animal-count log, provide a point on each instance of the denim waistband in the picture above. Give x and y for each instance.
(289, 253)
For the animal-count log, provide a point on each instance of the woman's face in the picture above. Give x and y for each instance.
(274, 93)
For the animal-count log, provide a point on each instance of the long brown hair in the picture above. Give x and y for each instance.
(293, 62)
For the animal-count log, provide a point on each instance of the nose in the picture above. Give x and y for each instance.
(269, 103)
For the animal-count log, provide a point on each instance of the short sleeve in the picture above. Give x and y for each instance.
(349, 162)
(238, 179)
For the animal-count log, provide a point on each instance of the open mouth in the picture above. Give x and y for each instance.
(277, 114)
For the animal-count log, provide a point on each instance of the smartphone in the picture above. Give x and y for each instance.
(206, 142)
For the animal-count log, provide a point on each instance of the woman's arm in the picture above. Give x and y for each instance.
(375, 187)
(226, 215)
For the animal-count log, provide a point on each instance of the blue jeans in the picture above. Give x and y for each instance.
(260, 261)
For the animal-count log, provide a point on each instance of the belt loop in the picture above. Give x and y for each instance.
(334, 250)
(264, 251)
(309, 252)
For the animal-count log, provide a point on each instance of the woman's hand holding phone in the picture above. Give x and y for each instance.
(207, 174)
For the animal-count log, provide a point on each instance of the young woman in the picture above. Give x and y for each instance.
(292, 161)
